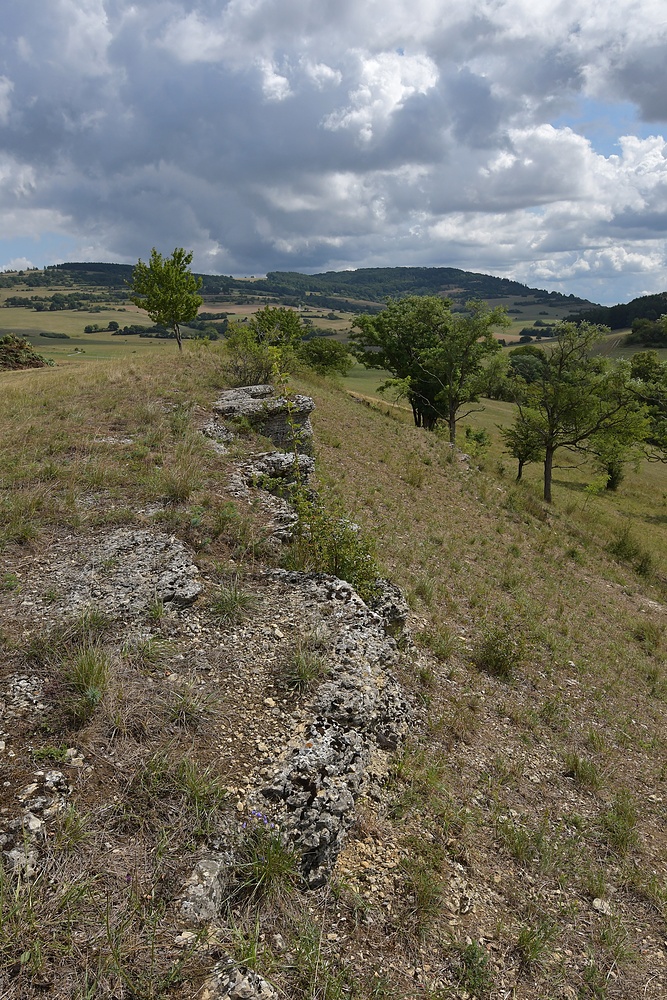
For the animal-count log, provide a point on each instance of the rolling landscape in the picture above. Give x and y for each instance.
(176, 641)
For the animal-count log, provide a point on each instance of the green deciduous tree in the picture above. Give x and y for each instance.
(523, 442)
(578, 397)
(277, 326)
(650, 375)
(326, 356)
(436, 357)
(167, 290)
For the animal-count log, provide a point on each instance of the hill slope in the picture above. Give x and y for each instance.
(516, 843)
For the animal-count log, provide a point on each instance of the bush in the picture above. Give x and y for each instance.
(327, 542)
(326, 357)
(248, 362)
(16, 353)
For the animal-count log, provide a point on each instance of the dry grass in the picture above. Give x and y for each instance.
(525, 794)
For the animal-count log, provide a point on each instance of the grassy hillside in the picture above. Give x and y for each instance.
(518, 845)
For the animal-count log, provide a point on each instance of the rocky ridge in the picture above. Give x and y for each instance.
(312, 764)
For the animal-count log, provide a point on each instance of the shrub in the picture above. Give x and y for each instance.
(16, 353)
(327, 542)
(248, 362)
(625, 547)
(474, 974)
(326, 357)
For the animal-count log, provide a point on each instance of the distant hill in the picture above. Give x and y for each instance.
(349, 290)
(618, 317)
(376, 284)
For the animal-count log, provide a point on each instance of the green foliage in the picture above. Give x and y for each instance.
(477, 442)
(247, 362)
(325, 356)
(474, 974)
(327, 542)
(524, 442)
(167, 290)
(277, 327)
(651, 389)
(435, 356)
(625, 547)
(577, 399)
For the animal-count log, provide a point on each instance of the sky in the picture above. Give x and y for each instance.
(522, 138)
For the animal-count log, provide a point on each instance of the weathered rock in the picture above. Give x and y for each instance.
(230, 981)
(283, 419)
(205, 891)
(391, 605)
(128, 570)
(358, 709)
(270, 469)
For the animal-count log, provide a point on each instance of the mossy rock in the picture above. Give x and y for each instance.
(16, 353)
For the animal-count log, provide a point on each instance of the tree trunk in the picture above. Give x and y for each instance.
(520, 470)
(451, 420)
(177, 331)
(548, 467)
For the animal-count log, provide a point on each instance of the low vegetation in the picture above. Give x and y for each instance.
(518, 844)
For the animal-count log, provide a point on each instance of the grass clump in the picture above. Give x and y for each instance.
(648, 634)
(499, 649)
(302, 669)
(422, 873)
(266, 867)
(439, 639)
(618, 823)
(165, 782)
(88, 673)
(533, 942)
(189, 707)
(231, 604)
(583, 770)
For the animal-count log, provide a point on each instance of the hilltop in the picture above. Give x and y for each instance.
(512, 840)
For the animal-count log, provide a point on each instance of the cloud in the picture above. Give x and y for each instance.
(17, 264)
(311, 135)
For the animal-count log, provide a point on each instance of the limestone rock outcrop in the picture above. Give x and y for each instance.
(284, 418)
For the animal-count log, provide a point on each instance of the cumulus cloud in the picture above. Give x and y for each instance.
(311, 135)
